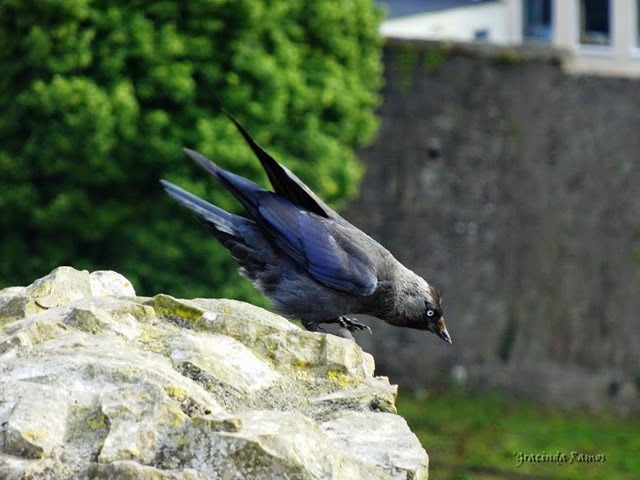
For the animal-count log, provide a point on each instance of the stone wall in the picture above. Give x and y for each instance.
(515, 189)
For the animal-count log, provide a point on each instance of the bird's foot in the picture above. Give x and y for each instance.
(351, 325)
(342, 332)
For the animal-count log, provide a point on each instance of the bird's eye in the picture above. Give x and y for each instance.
(430, 313)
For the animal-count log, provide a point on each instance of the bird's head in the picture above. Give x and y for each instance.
(434, 319)
(421, 306)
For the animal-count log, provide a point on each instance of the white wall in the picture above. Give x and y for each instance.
(453, 24)
(503, 21)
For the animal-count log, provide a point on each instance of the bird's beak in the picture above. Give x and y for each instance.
(443, 333)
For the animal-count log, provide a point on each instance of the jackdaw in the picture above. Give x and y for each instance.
(311, 262)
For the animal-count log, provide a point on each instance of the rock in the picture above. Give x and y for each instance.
(61, 286)
(360, 431)
(105, 283)
(98, 383)
(129, 470)
(10, 292)
(37, 423)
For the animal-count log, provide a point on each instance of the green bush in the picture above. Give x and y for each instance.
(99, 97)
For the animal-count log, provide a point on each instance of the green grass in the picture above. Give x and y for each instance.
(476, 437)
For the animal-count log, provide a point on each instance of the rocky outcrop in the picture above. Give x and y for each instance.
(98, 383)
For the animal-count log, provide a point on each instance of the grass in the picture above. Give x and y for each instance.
(477, 437)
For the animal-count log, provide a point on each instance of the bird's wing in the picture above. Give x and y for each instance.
(324, 247)
(284, 182)
(328, 248)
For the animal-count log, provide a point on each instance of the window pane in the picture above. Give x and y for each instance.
(595, 28)
(536, 20)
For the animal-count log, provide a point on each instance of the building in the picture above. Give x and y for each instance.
(603, 36)
(464, 21)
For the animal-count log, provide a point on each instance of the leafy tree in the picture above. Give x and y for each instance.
(98, 97)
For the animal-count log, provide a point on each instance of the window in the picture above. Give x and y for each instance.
(595, 27)
(536, 20)
(481, 35)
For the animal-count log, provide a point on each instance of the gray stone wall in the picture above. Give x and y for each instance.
(515, 189)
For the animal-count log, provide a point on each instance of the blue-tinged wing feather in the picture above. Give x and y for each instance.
(284, 182)
(312, 242)
(280, 217)
(320, 243)
(330, 263)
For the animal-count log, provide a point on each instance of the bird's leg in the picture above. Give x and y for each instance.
(314, 327)
(351, 325)
(344, 331)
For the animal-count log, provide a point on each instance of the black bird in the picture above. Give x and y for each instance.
(311, 262)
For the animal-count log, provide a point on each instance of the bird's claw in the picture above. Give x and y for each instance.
(351, 325)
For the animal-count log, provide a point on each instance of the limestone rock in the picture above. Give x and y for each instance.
(360, 431)
(98, 383)
(61, 286)
(106, 283)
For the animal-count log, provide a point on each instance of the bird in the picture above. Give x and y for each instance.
(309, 261)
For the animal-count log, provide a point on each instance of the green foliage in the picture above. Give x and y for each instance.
(477, 437)
(508, 56)
(406, 61)
(410, 56)
(435, 56)
(99, 97)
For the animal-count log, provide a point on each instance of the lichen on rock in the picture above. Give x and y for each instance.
(98, 383)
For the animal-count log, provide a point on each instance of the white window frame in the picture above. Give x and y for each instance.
(635, 29)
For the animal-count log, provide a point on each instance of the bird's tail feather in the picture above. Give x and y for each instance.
(244, 190)
(239, 235)
(223, 221)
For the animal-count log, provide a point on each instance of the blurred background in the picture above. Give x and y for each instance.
(491, 145)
